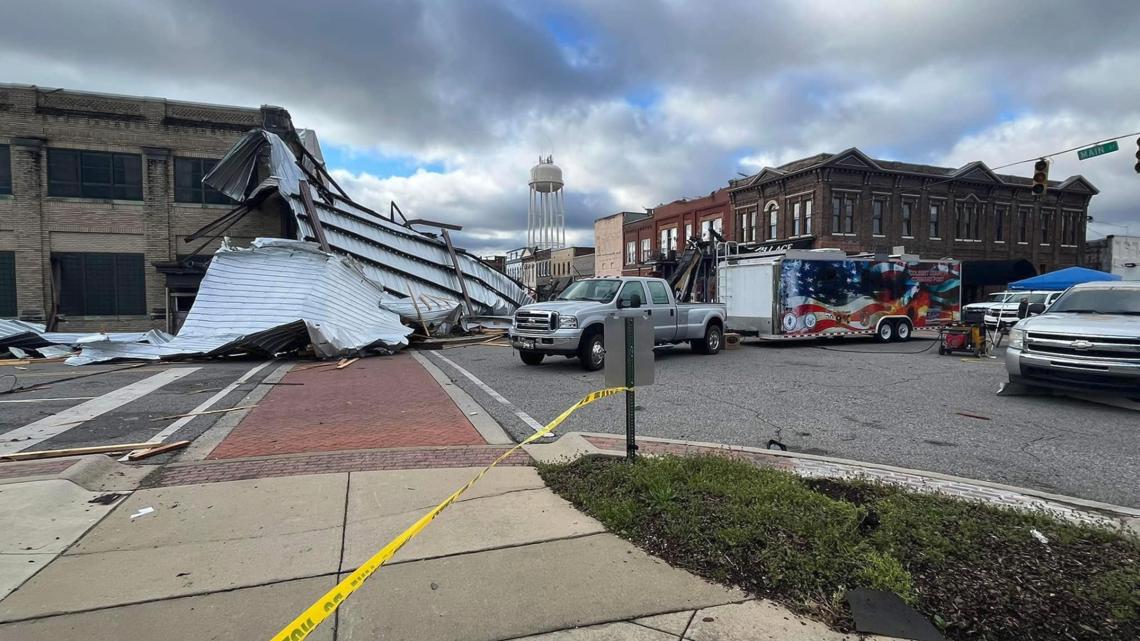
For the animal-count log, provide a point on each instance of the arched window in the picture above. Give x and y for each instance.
(773, 216)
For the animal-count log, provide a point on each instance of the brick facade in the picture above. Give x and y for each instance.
(609, 246)
(677, 221)
(34, 224)
(991, 207)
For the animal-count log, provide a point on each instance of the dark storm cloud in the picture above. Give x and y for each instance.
(641, 102)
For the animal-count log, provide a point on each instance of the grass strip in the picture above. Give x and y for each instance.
(977, 571)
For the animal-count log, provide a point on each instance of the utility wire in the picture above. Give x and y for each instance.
(1036, 158)
(1058, 153)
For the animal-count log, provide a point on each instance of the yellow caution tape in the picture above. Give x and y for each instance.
(308, 620)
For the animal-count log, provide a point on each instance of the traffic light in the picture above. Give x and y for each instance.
(1040, 177)
(1137, 167)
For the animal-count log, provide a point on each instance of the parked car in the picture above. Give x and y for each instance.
(1004, 315)
(1088, 339)
(572, 324)
(991, 300)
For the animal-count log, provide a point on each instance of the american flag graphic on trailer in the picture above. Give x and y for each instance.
(840, 296)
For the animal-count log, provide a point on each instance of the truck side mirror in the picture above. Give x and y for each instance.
(635, 301)
(1036, 308)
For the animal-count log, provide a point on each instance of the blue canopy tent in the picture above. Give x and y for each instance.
(1062, 279)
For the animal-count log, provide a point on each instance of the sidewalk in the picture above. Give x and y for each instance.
(241, 538)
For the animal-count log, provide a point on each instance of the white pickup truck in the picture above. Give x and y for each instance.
(572, 324)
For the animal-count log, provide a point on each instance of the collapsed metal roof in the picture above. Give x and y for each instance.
(406, 263)
(274, 296)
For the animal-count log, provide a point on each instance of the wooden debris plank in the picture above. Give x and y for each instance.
(228, 409)
(138, 455)
(345, 362)
(79, 451)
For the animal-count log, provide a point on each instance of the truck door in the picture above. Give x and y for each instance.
(662, 311)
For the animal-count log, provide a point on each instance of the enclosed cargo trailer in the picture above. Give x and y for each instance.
(798, 294)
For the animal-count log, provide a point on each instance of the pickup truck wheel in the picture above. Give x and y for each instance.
(531, 358)
(592, 352)
(886, 332)
(712, 342)
(902, 331)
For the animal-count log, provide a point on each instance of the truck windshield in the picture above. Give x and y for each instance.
(600, 291)
(1037, 297)
(1099, 301)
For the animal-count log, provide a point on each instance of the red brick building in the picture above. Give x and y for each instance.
(991, 222)
(651, 243)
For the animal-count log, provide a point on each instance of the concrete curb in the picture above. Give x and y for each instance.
(94, 473)
(487, 426)
(1125, 516)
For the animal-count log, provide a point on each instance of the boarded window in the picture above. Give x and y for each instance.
(101, 284)
(94, 174)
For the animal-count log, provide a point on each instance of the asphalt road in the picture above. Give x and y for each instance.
(850, 399)
(181, 388)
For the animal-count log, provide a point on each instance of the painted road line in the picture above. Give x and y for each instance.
(177, 425)
(31, 434)
(523, 416)
(49, 400)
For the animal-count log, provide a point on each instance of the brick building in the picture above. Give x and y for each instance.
(609, 246)
(97, 191)
(572, 262)
(991, 222)
(654, 242)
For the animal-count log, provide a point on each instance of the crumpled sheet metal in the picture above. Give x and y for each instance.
(24, 335)
(21, 334)
(273, 296)
(403, 261)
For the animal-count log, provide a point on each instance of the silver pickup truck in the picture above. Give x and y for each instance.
(571, 325)
(1087, 340)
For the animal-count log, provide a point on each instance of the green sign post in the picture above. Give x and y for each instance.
(1098, 150)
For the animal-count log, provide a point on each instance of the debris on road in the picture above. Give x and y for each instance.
(143, 511)
(79, 451)
(221, 411)
(275, 296)
(977, 416)
(139, 455)
(345, 362)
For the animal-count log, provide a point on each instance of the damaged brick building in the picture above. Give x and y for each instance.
(96, 193)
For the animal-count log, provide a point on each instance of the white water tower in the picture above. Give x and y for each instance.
(546, 218)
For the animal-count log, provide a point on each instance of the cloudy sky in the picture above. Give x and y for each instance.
(444, 106)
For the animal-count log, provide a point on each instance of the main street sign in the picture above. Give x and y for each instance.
(1098, 150)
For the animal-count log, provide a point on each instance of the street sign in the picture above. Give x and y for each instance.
(629, 334)
(1098, 150)
(617, 346)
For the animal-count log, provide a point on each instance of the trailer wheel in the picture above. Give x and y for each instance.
(886, 331)
(592, 351)
(902, 331)
(532, 358)
(712, 342)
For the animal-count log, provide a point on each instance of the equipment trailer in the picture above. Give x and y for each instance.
(799, 294)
